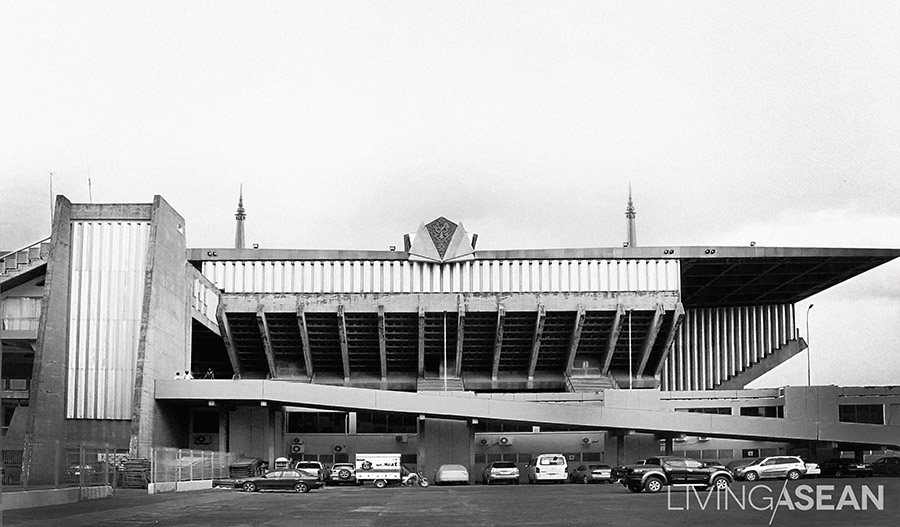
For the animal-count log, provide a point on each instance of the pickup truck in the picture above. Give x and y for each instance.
(658, 472)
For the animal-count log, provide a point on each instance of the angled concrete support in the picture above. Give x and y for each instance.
(421, 367)
(267, 341)
(618, 319)
(670, 337)
(304, 336)
(229, 339)
(576, 338)
(460, 331)
(536, 341)
(498, 342)
(650, 340)
(382, 344)
(345, 350)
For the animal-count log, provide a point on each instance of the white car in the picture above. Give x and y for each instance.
(790, 467)
(343, 473)
(447, 474)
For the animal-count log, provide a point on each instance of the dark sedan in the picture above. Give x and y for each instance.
(296, 480)
(887, 466)
(845, 467)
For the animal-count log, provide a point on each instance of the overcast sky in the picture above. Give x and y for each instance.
(349, 124)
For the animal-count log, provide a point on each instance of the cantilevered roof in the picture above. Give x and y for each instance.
(710, 276)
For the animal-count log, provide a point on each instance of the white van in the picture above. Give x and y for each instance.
(547, 467)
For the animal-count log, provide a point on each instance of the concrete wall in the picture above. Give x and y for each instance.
(165, 326)
(43, 498)
(48, 388)
(252, 432)
(445, 441)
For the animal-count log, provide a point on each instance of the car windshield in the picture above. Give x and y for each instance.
(504, 464)
(304, 474)
(599, 467)
(552, 461)
(308, 465)
(340, 466)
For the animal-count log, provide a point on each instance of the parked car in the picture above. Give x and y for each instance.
(732, 466)
(790, 467)
(887, 466)
(93, 472)
(592, 474)
(547, 467)
(314, 467)
(500, 471)
(296, 480)
(450, 474)
(813, 470)
(657, 473)
(343, 473)
(840, 467)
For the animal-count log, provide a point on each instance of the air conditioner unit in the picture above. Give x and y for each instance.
(203, 439)
(298, 449)
(586, 441)
(505, 441)
(401, 439)
(484, 441)
(296, 441)
(338, 449)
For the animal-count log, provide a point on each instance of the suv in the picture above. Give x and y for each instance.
(657, 472)
(343, 473)
(315, 468)
(790, 467)
(500, 471)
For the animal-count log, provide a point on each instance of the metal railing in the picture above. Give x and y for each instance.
(57, 465)
(12, 260)
(169, 465)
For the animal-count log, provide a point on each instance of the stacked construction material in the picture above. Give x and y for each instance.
(136, 474)
(247, 467)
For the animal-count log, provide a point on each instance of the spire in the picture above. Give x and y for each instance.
(240, 216)
(629, 215)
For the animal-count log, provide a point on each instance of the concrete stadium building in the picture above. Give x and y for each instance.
(440, 352)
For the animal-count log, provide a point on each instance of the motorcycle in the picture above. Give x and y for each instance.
(414, 478)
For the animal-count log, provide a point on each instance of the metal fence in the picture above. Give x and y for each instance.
(168, 465)
(57, 465)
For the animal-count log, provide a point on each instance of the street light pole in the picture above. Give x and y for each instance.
(808, 377)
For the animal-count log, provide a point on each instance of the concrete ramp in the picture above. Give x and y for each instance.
(630, 413)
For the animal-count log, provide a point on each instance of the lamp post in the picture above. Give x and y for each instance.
(808, 377)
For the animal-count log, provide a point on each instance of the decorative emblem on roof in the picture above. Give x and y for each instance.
(441, 231)
(441, 240)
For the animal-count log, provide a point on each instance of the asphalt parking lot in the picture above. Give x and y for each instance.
(599, 504)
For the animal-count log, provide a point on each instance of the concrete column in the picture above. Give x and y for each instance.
(223, 431)
(668, 446)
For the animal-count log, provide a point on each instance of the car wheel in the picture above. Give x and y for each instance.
(838, 473)
(515, 482)
(793, 475)
(721, 483)
(249, 486)
(653, 485)
(344, 474)
(634, 487)
(751, 476)
(301, 487)
(585, 480)
(380, 483)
